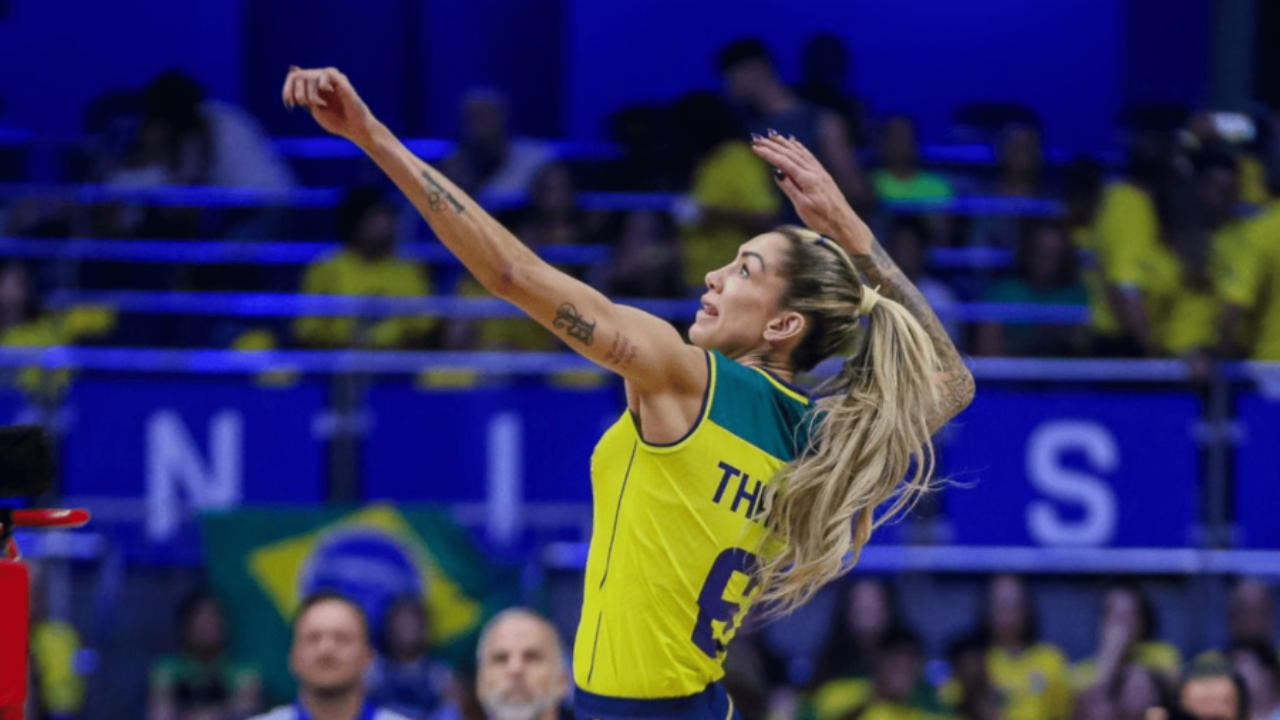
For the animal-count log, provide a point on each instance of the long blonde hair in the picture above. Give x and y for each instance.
(870, 442)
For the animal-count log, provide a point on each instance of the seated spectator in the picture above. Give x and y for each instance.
(1020, 174)
(646, 164)
(752, 84)
(646, 262)
(1212, 690)
(1259, 669)
(1127, 634)
(824, 73)
(1251, 614)
(1128, 247)
(1249, 292)
(866, 619)
(330, 657)
(1082, 195)
(522, 673)
(898, 672)
(365, 266)
(488, 159)
(403, 678)
(734, 196)
(184, 138)
(969, 694)
(1046, 275)
(24, 323)
(553, 216)
(900, 176)
(58, 690)
(1209, 246)
(199, 681)
(910, 238)
(1030, 674)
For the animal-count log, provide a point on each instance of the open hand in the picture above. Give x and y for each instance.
(808, 185)
(332, 100)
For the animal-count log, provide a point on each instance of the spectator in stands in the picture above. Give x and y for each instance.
(1249, 290)
(553, 216)
(646, 164)
(732, 194)
(365, 266)
(824, 73)
(1251, 614)
(24, 323)
(1020, 161)
(867, 615)
(969, 694)
(647, 261)
(185, 138)
(200, 682)
(522, 673)
(900, 176)
(1127, 634)
(404, 678)
(1206, 245)
(910, 239)
(58, 690)
(1128, 244)
(768, 104)
(1020, 168)
(1030, 674)
(1082, 195)
(330, 657)
(1046, 275)
(898, 673)
(1212, 690)
(488, 159)
(1259, 669)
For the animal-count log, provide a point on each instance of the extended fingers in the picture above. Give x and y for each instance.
(776, 156)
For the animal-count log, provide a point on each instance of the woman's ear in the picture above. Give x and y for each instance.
(786, 326)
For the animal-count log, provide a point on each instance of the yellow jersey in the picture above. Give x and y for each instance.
(1252, 281)
(347, 273)
(670, 570)
(1034, 683)
(1126, 231)
(730, 178)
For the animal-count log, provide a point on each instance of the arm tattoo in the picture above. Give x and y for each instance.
(575, 326)
(622, 352)
(957, 382)
(438, 195)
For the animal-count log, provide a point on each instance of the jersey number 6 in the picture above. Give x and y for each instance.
(712, 607)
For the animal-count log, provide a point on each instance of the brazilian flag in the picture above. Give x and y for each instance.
(263, 562)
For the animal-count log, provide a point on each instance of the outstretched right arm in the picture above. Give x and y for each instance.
(644, 349)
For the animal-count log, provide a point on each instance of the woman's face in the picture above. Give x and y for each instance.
(868, 609)
(1007, 614)
(1049, 252)
(15, 289)
(1122, 607)
(742, 298)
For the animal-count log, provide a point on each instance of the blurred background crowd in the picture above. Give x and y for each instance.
(167, 214)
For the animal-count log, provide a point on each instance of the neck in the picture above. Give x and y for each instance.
(344, 705)
(901, 171)
(765, 360)
(551, 713)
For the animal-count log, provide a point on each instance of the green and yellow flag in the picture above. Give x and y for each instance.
(263, 562)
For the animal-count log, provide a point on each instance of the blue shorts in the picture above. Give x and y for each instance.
(710, 704)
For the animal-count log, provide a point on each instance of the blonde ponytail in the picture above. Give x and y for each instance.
(870, 441)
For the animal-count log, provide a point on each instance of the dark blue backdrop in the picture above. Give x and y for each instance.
(568, 63)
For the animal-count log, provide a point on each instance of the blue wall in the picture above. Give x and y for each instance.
(57, 56)
(1062, 57)
(569, 63)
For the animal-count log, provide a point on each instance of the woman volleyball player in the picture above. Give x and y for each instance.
(721, 484)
